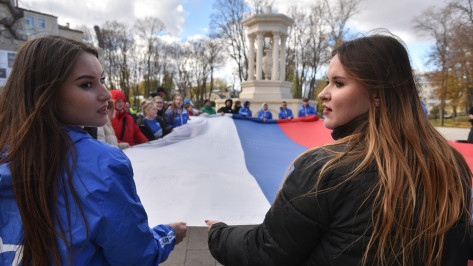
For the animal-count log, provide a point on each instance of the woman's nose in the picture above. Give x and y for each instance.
(105, 95)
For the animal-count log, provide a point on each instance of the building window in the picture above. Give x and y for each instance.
(29, 21)
(41, 23)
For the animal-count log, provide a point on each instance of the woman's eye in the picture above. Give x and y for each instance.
(102, 80)
(338, 84)
(86, 85)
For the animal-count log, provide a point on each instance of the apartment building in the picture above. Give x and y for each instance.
(18, 25)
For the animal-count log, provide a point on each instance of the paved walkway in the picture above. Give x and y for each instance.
(194, 251)
(453, 133)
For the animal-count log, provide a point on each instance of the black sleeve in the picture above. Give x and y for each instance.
(470, 136)
(144, 128)
(164, 125)
(291, 229)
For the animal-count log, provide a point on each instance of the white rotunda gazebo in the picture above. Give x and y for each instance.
(270, 33)
(267, 34)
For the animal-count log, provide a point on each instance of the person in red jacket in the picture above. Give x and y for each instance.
(123, 123)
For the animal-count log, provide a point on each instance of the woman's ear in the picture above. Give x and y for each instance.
(376, 101)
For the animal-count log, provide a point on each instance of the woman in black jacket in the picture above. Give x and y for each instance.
(151, 125)
(389, 190)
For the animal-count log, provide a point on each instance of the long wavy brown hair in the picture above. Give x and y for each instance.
(174, 107)
(36, 146)
(424, 185)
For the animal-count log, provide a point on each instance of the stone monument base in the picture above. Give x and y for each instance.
(266, 90)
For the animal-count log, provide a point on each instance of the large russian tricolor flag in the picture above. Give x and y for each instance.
(224, 169)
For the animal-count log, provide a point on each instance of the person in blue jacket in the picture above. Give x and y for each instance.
(264, 113)
(66, 198)
(177, 114)
(245, 110)
(284, 112)
(306, 109)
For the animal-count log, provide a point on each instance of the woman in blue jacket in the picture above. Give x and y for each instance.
(264, 113)
(245, 110)
(177, 114)
(66, 198)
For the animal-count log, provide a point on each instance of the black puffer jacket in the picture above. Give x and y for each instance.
(225, 109)
(163, 115)
(331, 228)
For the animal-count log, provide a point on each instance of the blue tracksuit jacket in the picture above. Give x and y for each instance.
(265, 114)
(285, 114)
(245, 111)
(118, 225)
(180, 118)
(306, 111)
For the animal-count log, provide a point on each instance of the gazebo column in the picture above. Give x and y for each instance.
(259, 56)
(275, 71)
(282, 61)
(251, 63)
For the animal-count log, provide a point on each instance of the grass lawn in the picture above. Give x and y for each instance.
(460, 121)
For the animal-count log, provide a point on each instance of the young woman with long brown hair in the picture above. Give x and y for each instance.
(66, 198)
(177, 114)
(389, 190)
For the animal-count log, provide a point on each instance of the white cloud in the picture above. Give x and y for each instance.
(170, 39)
(195, 37)
(92, 12)
(170, 12)
(394, 15)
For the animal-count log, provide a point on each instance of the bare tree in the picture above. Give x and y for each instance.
(463, 46)
(125, 45)
(309, 43)
(200, 68)
(117, 45)
(465, 8)
(148, 29)
(318, 54)
(89, 35)
(337, 16)
(136, 75)
(437, 24)
(260, 5)
(214, 57)
(109, 37)
(226, 22)
(181, 54)
(297, 50)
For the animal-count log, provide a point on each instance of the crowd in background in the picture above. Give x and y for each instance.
(130, 125)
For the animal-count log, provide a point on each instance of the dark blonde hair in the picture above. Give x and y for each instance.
(424, 185)
(157, 97)
(145, 104)
(36, 145)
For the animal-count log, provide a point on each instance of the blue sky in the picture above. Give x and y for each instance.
(197, 17)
